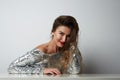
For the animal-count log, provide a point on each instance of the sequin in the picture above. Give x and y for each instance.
(35, 61)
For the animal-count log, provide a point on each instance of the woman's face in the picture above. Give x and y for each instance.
(61, 35)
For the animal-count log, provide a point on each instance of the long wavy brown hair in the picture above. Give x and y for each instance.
(70, 22)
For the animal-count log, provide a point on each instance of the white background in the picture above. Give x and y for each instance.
(24, 24)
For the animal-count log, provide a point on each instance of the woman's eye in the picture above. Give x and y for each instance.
(61, 33)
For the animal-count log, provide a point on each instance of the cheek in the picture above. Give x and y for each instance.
(57, 37)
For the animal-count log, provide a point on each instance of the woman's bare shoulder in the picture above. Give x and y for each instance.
(42, 47)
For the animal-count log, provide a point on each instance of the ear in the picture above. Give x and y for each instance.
(52, 34)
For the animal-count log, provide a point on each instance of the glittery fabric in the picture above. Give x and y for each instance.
(35, 61)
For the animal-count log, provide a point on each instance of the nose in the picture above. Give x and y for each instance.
(64, 39)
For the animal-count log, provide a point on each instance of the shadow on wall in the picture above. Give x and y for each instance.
(92, 63)
(97, 62)
(89, 68)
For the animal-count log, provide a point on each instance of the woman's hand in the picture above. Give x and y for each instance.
(51, 71)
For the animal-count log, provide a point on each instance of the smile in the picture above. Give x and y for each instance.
(62, 43)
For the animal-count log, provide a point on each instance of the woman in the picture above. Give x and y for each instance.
(58, 56)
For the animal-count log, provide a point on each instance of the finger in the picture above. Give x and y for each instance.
(50, 73)
(57, 71)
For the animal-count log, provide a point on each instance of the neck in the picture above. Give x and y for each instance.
(52, 47)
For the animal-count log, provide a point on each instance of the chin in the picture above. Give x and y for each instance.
(60, 46)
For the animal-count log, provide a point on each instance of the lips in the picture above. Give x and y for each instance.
(62, 43)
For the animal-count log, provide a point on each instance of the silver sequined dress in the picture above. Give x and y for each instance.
(35, 61)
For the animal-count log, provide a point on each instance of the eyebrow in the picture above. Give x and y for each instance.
(64, 33)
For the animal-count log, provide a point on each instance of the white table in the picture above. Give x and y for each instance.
(62, 77)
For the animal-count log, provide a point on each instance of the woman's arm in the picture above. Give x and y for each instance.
(28, 63)
(75, 66)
